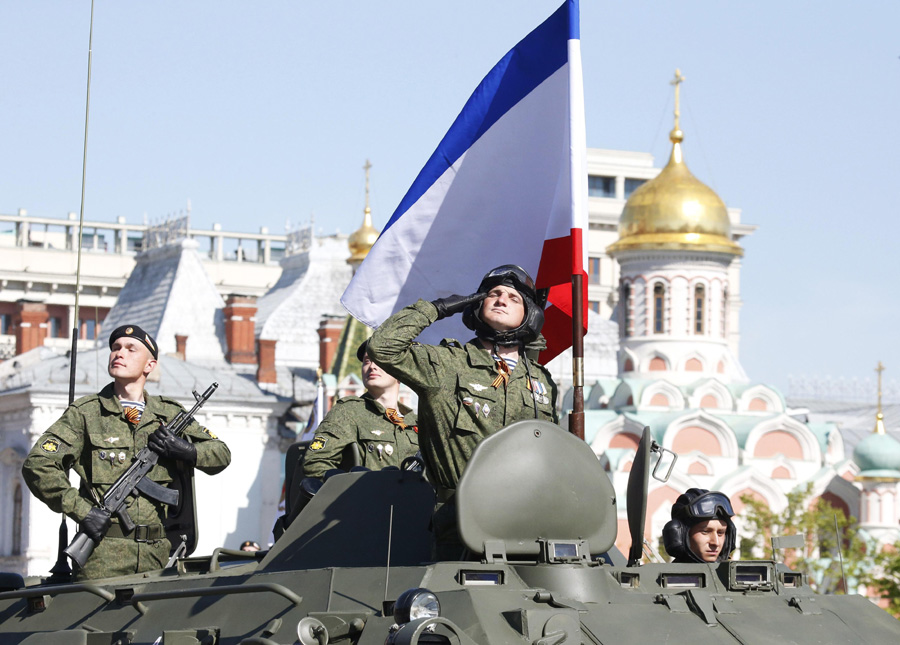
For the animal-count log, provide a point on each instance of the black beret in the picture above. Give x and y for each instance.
(133, 331)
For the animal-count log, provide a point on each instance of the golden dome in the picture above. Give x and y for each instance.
(675, 210)
(362, 239)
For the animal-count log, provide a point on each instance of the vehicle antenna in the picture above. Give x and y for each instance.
(387, 570)
(61, 571)
(837, 536)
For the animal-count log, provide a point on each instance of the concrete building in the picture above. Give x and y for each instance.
(39, 257)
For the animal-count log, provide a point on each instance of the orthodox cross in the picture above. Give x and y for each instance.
(367, 167)
(677, 81)
(879, 369)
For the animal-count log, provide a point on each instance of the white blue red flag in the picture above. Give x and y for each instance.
(506, 185)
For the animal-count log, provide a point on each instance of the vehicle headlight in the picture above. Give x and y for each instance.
(414, 604)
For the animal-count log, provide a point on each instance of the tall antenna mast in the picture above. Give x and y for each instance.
(61, 571)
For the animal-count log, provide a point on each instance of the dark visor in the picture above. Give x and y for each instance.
(709, 505)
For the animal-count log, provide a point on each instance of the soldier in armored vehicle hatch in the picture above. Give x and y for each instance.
(381, 430)
(468, 392)
(97, 436)
(701, 529)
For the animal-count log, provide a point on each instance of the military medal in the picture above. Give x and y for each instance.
(102, 455)
(121, 457)
(388, 449)
(377, 433)
(486, 409)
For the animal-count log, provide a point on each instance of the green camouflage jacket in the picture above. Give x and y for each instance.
(362, 421)
(93, 438)
(458, 406)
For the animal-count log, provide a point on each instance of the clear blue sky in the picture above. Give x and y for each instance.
(264, 112)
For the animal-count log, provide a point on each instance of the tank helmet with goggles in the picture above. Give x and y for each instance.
(709, 505)
(514, 277)
(693, 506)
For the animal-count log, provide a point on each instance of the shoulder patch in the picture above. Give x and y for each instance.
(207, 432)
(50, 445)
(318, 442)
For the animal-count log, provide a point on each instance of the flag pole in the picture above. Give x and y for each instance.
(576, 416)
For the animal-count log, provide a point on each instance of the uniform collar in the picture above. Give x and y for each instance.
(110, 402)
(370, 400)
(481, 357)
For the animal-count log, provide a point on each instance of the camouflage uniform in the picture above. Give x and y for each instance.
(458, 406)
(94, 438)
(363, 421)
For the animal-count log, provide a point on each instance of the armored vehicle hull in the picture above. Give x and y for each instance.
(537, 514)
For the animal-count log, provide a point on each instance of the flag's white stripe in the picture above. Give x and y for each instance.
(491, 206)
(578, 147)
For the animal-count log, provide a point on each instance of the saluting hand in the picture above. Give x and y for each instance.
(454, 304)
(166, 444)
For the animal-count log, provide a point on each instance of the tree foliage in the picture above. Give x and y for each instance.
(885, 578)
(819, 558)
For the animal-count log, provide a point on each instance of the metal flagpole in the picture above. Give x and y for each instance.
(576, 416)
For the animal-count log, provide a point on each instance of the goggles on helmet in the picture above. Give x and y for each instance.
(708, 506)
(510, 275)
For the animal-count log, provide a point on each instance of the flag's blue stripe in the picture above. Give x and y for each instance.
(525, 67)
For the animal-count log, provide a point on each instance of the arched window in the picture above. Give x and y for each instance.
(17, 521)
(659, 301)
(699, 308)
(626, 309)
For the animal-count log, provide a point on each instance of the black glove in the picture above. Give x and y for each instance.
(165, 444)
(96, 524)
(455, 304)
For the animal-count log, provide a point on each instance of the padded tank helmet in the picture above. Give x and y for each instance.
(514, 277)
(693, 506)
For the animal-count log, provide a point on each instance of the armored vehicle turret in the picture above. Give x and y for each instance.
(538, 515)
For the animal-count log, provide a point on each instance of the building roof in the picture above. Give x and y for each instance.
(169, 293)
(43, 371)
(310, 287)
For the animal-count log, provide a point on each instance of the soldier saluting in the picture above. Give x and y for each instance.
(97, 436)
(467, 392)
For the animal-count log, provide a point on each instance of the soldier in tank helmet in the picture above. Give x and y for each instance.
(701, 529)
(468, 391)
(376, 425)
(97, 436)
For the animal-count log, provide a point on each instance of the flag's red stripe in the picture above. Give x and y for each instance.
(560, 259)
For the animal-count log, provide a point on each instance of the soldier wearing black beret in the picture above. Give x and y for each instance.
(98, 436)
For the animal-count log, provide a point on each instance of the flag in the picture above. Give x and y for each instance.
(506, 185)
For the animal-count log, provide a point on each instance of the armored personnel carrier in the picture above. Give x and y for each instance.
(538, 515)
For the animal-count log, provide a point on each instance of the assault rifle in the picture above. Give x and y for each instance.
(135, 480)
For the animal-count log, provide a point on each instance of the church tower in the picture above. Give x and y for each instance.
(674, 250)
(878, 458)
